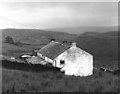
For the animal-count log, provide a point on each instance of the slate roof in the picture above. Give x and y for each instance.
(53, 49)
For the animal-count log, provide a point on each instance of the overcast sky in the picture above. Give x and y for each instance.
(57, 14)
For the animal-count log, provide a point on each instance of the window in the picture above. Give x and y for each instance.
(62, 61)
(63, 71)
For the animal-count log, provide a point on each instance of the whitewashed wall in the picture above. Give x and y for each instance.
(45, 58)
(40, 55)
(48, 60)
(77, 62)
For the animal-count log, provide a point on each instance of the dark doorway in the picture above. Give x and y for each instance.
(62, 61)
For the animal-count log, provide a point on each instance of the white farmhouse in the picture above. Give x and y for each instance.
(70, 58)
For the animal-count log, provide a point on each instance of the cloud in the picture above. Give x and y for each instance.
(59, 14)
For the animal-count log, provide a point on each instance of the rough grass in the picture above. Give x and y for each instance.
(57, 82)
(13, 50)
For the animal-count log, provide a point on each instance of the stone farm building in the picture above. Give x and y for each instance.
(70, 58)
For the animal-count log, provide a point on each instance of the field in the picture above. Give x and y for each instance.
(49, 81)
(100, 45)
(30, 39)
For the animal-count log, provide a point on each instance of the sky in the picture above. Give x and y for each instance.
(43, 15)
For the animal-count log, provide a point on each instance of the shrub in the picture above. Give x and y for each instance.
(9, 39)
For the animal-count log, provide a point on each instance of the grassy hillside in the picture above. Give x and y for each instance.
(49, 81)
(103, 46)
(34, 36)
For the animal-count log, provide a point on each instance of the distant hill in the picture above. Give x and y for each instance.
(103, 46)
(33, 36)
(99, 34)
(80, 30)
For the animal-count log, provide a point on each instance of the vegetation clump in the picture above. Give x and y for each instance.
(50, 81)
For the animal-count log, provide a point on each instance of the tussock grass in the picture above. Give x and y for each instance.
(57, 82)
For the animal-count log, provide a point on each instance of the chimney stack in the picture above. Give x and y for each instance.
(53, 39)
(64, 41)
(73, 44)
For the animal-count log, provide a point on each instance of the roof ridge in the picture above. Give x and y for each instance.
(54, 49)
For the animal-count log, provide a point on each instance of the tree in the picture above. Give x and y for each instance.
(9, 39)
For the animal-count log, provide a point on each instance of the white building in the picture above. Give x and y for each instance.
(70, 58)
